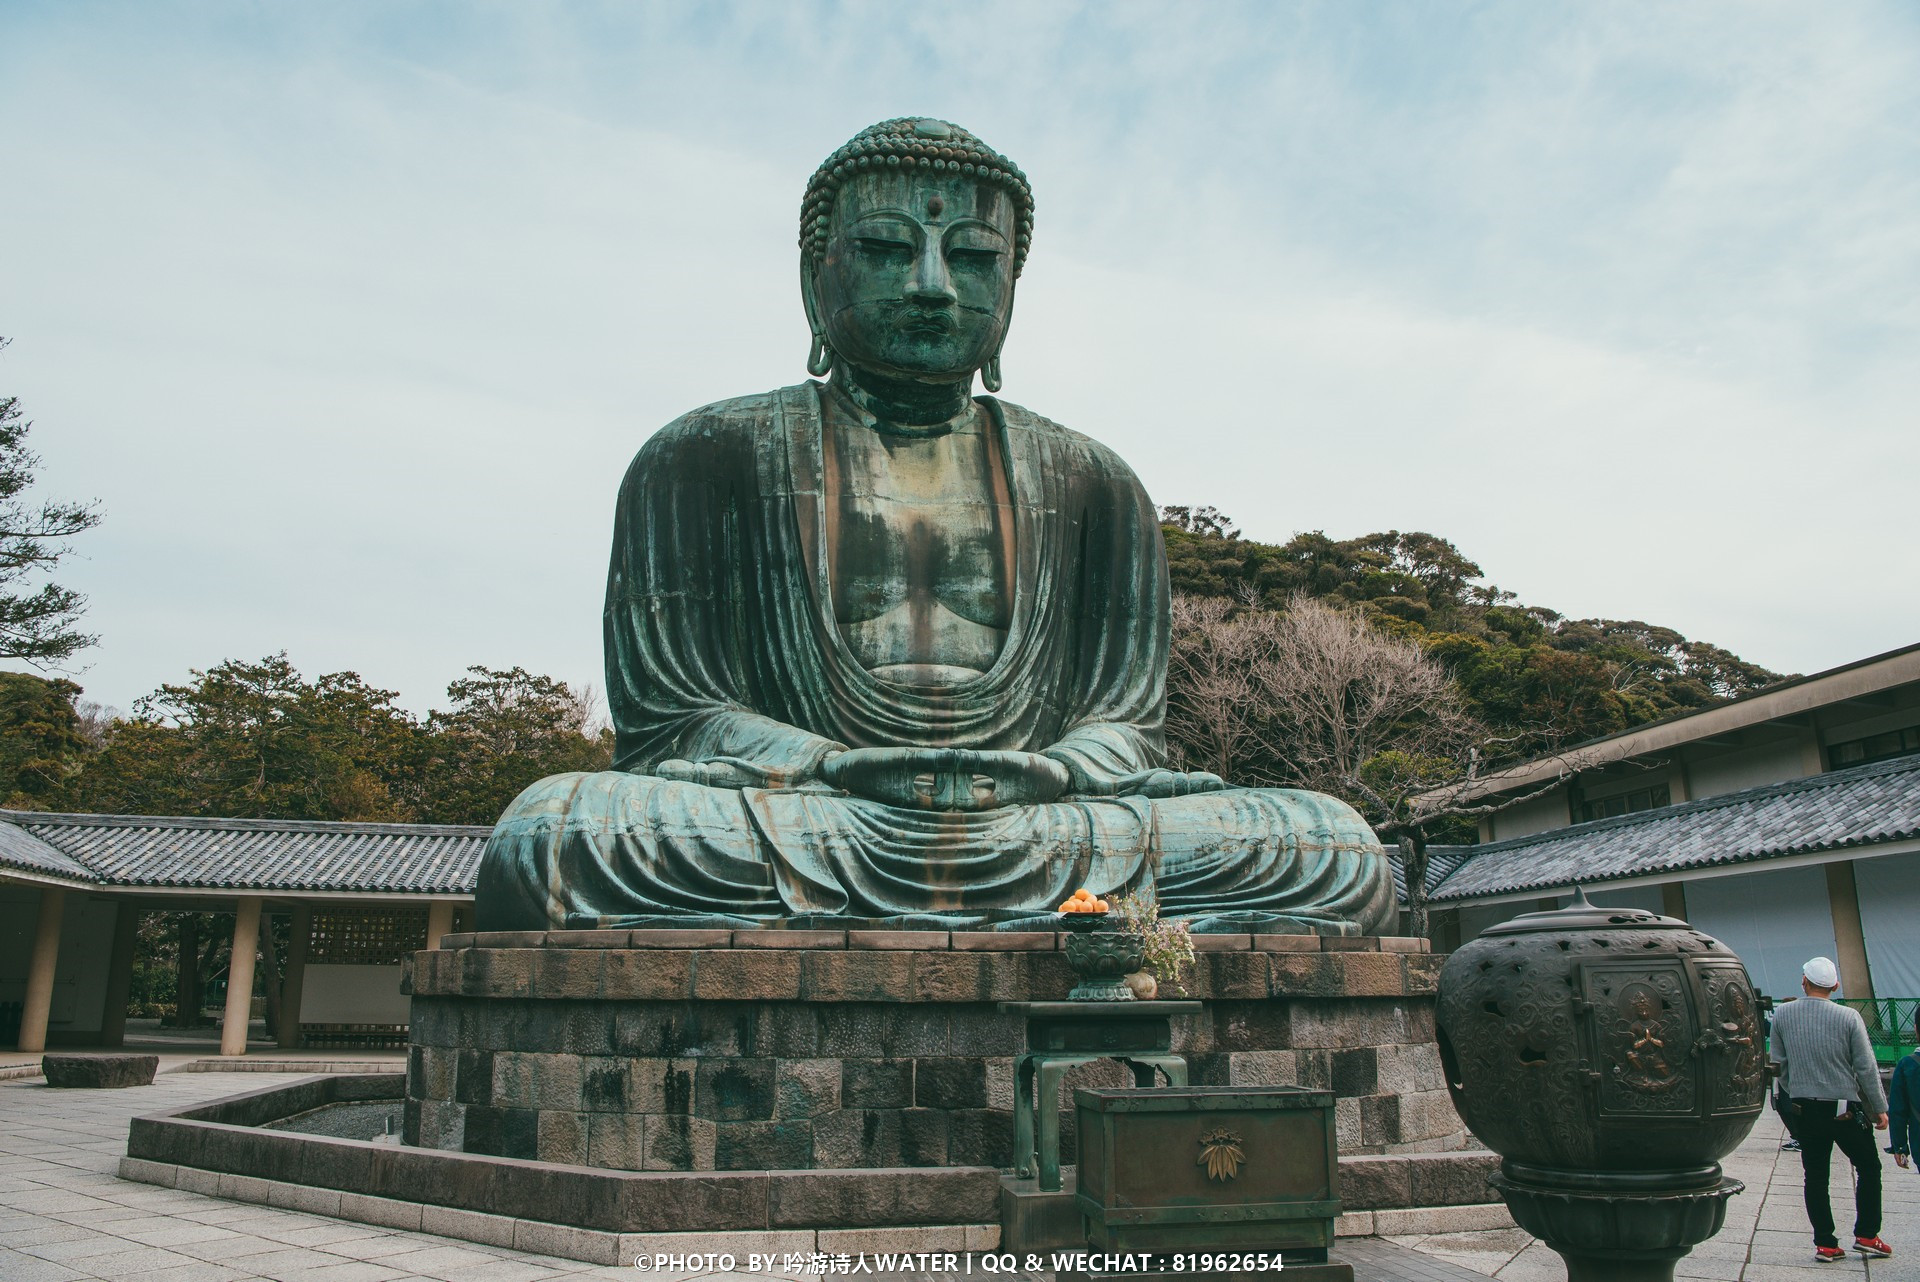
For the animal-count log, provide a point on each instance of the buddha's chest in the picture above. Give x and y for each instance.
(919, 543)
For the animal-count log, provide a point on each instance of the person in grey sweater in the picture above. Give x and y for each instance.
(1827, 1067)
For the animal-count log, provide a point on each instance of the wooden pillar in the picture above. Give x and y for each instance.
(113, 1007)
(1849, 940)
(46, 951)
(296, 976)
(439, 921)
(1673, 899)
(246, 942)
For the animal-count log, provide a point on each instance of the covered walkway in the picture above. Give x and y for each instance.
(358, 898)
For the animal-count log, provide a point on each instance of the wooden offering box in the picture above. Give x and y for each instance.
(1209, 1169)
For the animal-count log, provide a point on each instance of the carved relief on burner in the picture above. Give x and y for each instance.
(1733, 1032)
(1644, 1033)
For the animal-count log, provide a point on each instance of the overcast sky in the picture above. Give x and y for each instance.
(352, 315)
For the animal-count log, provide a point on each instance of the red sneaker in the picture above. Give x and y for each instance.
(1828, 1254)
(1872, 1246)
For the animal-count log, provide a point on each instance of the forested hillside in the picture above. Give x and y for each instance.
(1537, 678)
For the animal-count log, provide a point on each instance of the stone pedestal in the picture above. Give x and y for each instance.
(1618, 1229)
(1034, 1219)
(99, 1072)
(792, 1049)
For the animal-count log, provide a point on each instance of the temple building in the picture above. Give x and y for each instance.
(359, 897)
(1785, 822)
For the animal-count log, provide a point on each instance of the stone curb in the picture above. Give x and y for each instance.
(242, 1064)
(1423, 1220)
(539, 1237)
(230, 1139)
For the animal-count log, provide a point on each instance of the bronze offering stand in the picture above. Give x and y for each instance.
(1611, 1057)
(1101, 957)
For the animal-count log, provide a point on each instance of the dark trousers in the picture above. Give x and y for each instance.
(1819, 1131)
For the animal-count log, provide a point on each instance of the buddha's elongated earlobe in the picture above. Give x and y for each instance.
(990, 373)
(820, 359)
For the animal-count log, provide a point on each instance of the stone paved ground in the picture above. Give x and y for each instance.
(1766, 1238)
(64, 1216)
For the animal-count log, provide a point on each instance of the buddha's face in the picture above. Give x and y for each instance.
(917, 281)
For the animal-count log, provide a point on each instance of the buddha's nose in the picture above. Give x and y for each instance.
(932, 284)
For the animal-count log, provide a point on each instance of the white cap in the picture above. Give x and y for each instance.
(1822, 973)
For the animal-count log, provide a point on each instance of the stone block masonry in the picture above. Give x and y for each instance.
(780, 1050)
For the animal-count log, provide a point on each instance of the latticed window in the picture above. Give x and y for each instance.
(366, 936)
(1879, 747)
(1626, 803)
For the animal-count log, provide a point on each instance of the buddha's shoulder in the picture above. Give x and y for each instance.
(738, 420)
(715, 440)
(1075, 449)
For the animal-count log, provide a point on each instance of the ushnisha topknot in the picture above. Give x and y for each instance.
(912, 142)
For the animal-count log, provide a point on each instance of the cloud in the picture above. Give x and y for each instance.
(353, 315)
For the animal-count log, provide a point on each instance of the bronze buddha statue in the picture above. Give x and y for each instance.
(880, 651)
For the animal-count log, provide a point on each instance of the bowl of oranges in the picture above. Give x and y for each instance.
(1083, 911)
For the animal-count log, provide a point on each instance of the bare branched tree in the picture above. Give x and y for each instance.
(1215, 707)
(1318, 698)
(1347, 694)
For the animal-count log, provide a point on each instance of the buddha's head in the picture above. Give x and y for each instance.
(911, 237)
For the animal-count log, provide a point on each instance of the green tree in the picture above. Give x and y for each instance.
(506, 729)
(39, 625)
(255, 740)
(42, 740)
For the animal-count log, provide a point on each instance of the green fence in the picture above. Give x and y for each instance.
(1889, 1024)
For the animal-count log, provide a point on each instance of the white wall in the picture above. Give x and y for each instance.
(352, 995)
(1889, 891)
(1774, 762)
(1773, 920)
(1527, 818)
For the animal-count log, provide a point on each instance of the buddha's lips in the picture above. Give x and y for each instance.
(928, 323)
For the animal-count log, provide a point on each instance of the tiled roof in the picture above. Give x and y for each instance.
(1441, 861)
(1866, 805)
(22, 850)
(245, 854)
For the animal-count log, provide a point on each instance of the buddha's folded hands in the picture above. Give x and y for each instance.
(955, 779)
(1167, 783)
(721, 772)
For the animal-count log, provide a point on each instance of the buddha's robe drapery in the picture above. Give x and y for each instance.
(721, 645)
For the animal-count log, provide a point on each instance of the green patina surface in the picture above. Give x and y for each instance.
(882, 651)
